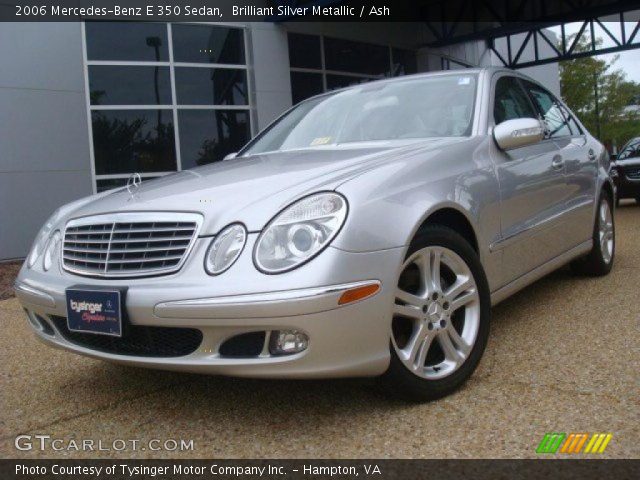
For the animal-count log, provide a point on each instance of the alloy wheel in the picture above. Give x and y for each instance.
(436, 313)
(605, 233)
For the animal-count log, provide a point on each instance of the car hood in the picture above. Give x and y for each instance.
(253, 189)
(628, 162)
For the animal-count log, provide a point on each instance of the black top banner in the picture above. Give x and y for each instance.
(475, 11)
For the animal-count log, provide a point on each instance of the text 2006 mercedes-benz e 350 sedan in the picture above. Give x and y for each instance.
(366, 232)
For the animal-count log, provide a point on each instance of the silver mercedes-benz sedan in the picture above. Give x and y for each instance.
(366, 232)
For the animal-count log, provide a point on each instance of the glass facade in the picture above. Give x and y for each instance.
(305, 85)
(356, 57)
(320, 63)
(129, 85)
(208, 135)
(126, 141)
(164, 97)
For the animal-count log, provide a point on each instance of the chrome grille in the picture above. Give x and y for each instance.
(633, 174)
(128, 244)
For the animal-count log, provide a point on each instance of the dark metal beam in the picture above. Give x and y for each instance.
(504, 17)
(573, 56)
(567, 48)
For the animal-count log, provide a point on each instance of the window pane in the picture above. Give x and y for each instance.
(511, 101)
(305, 85)
(356, 57)
(573, 125)
(415, 107)
(556, 123)
(211, 86)
(127, 41)
(125, 85)
(205, 44)
(133, 141)
(304, 51)
(341, 81)
(206, 136)
(404, 62)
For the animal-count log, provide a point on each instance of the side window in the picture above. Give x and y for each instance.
(573, 125)
(511, 101)
(557, 124)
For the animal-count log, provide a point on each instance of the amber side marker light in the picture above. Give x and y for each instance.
(359, 293)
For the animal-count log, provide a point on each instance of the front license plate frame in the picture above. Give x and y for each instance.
(95, 311)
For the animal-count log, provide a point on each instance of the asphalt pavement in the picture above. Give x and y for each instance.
(563, 356)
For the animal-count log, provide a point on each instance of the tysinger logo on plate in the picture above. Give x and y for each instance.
(94, 311)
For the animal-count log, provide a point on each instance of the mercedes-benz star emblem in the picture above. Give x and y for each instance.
(133, 183)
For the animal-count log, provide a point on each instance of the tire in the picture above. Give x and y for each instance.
(439, 318)
(599, 261)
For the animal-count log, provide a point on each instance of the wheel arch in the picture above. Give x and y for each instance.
(453, 218)
(607, 186)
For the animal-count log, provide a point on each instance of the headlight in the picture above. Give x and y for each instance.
(300, 232)
(51, 250)
(225, 249)
(41, 240)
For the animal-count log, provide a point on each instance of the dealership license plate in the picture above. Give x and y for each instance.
(94, 311)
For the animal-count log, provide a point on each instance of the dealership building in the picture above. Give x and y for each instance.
(84, 105)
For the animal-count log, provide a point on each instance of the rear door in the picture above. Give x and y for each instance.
(580, 166)
(532, 188)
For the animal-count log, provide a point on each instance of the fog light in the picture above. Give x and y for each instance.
(286, 342)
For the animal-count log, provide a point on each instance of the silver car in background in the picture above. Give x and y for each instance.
(366, 232)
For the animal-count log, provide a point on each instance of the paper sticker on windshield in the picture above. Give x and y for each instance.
(320, 141)
(464, 80)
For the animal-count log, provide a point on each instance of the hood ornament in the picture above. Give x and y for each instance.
(133, 184)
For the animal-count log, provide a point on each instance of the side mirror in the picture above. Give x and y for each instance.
(230, 156)
(613, 157)
(518, 132)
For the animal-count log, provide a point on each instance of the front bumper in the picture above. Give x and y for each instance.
(349, 340)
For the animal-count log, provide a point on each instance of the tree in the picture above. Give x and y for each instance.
(578, 81)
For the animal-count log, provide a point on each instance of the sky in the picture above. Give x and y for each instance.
(629, 60)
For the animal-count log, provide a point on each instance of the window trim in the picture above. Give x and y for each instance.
(494, 87)
(557, 102)
(174, 106)
(568, 115)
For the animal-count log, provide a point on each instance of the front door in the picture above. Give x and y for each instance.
(580, 166)
(533, 190)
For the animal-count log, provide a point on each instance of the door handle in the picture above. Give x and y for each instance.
(557, 163)
(591, 154)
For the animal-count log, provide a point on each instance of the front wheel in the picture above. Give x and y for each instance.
(441, 315)
(599, 260)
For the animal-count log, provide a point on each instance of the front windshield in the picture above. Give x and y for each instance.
(631, 149)
(412, 108)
